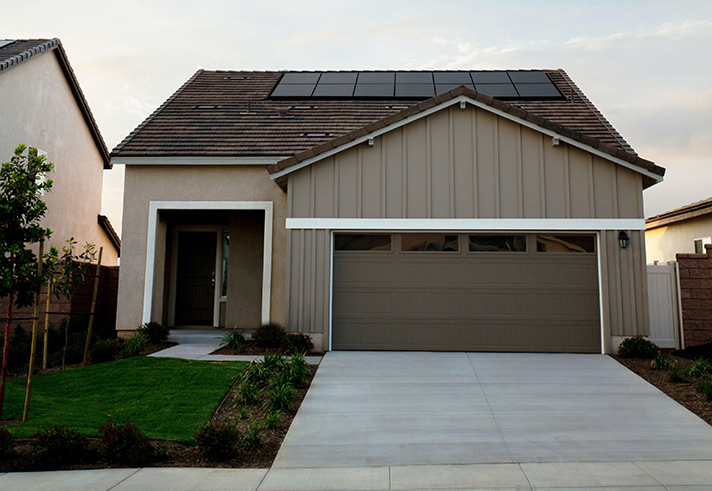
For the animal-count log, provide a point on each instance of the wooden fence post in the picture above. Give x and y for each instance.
(46, 330)
(93, 307)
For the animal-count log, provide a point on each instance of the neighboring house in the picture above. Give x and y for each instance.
(369, 212)
(684, 230)
(42, 106)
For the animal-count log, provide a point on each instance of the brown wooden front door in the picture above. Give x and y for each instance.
(195, 280)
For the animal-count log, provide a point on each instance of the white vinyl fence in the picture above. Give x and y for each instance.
(665, 308)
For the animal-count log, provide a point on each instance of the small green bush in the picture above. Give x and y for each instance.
(705, 386)
(134, 344)
(638, 347)
(274, 363)
(249, 394)
(6, 441)
(217, 441)
(660, 362)
(699, 368)
(57, 446)
(676, 375)
(125, 445)
(298, 370)
(280, 397)
(233, 340)
(256, 374)
(270, 336)
(242, 415)
(297, 342)
(272, 419)
(106, 350)
(253, 437)
(155, 332)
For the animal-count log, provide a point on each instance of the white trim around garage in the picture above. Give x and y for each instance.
(156, 206)
(468, 224)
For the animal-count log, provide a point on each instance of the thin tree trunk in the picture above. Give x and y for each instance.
(93, 308)
(33, 346)
(5, 352)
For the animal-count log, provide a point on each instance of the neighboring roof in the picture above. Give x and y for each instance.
(692, 210)
(230, 114)
(19, 51)
(514, 109)
(110, 232)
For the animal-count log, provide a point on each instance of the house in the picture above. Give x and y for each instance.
(42, 106)
(685, 230)
(403, 210)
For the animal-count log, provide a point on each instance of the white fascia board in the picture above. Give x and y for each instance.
(468, 224)
(196, 160)
(480, 105)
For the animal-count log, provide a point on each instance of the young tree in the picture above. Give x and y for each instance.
(21, 209)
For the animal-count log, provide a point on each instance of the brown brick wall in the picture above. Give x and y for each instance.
(696, 291)
(80, 302)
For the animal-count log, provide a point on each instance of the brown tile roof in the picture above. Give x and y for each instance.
(228, 113)
(686, 212)
(21, 50)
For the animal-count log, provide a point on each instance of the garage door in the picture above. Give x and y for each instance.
(466, 292)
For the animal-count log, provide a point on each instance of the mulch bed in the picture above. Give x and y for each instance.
(187, 455)
(683, 392)
(252, 349)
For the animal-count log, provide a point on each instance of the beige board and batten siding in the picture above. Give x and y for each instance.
(191, 183)
(468, 163)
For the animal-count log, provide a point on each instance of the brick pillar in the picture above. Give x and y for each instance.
(696, 291)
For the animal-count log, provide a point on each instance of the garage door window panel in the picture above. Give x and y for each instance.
(430, 243)
(498, 243)
(566, 243)
(363, 242)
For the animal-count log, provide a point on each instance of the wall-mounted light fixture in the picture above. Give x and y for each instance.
(623, 239)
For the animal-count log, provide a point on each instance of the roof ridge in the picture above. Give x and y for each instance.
(480, 97)
(160, 108)
(575, 88)
(704, 203)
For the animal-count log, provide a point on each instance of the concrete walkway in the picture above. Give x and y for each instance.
(481, 421)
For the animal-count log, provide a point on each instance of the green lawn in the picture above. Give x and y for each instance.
(166, 398)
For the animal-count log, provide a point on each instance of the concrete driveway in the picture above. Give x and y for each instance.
(371, 409)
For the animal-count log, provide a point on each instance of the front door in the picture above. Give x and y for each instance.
(195, 280)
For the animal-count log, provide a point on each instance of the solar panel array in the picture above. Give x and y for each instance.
(506, 85)
(5, 43)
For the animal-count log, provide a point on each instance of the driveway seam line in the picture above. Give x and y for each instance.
(124, 479)
(648, 473)
(504, 442)
(531, 486)
(263, 478)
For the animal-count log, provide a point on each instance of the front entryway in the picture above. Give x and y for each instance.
(413, 408)
(195, 278)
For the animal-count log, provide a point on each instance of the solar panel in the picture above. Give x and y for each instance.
(490, 78)
(300, 78)
(415, 90)
(376, 77)
(414, 78)
(529, 77)
(293, 90)
(440, 88)
(338, 78)
(5, 43)
(333, 90)
(497, 90)
(535, 91)
(374, 90)
(456, 78)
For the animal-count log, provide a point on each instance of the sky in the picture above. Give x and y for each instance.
(646, 65)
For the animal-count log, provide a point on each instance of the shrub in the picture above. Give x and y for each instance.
(660, 362)
(272, 419)
(234, 340)
(217, 441)
(252, 437)
(705, 387)
(270, 336)
(298, 370)
(274, 363)
(676, 375)
(57, 446)
(280, 397)
(249, 394)
(155, 332)
(638, 347)
(106, 350)
(6, 441)
(256, 374)
(134, 345)
(242, 415)
(125, 445)
(298, 343)
(700, 367)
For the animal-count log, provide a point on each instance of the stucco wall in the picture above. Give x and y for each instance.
(190, 183)
(663, 243)
(466, 164)
(37, 108)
